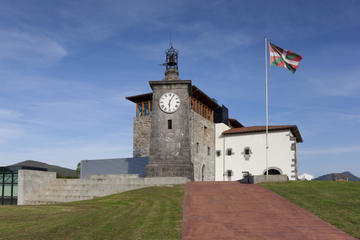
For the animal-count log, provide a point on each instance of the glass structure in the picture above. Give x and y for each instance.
(8, 186)
(9, 183)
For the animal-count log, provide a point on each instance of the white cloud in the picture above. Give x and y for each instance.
(29, 47)
(9, 114)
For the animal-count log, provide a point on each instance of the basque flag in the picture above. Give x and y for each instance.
(284, 58)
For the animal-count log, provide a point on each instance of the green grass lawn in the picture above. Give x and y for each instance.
(335, 202)
(148, 213)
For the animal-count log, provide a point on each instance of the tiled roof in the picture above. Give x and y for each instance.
(235, 123)
(292, 128)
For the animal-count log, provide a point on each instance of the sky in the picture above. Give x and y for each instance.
(67, 66)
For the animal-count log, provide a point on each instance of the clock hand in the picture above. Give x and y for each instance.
(170, 100)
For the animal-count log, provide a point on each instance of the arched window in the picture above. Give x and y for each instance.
(274, 171)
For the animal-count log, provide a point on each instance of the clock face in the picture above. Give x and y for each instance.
(169, 102)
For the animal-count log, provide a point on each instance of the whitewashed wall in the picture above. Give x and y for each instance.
(281, 154)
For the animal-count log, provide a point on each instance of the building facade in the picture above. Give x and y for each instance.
(241, 151)
(184, 132)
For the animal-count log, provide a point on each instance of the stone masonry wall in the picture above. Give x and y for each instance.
(203, 137)
(142, 132)
(38, 187)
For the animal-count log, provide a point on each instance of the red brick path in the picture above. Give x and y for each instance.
(230, 210)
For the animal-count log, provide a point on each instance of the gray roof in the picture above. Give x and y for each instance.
(136, 165)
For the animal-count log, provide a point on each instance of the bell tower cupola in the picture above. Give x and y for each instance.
(172, 72)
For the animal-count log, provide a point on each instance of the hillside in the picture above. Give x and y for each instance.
(61, 172)
(335, 202)
(328, 177)
(148, 213)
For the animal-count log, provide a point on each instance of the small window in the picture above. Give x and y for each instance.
(139, 110)
(229, 151)
(247, 153)
(150, 107)
(229, 173)
(197, 147)
(146, 108)
(218, 153)
(205, 130)
(208, 151)
(169, 124)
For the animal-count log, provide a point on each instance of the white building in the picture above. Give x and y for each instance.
(241, 150)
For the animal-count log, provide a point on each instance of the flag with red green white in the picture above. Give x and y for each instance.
(284, 58)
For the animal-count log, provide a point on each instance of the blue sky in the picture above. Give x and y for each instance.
(66, 67)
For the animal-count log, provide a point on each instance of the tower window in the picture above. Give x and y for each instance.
(169, 124)
(229, 151)
(208, 151)
(146, 108)
(229, 173)
(139, 110)
(150, 107)
(197, 147)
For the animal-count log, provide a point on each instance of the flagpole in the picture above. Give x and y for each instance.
(267, 111)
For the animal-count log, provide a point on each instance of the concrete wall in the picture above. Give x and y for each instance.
(270, 178)
(30, 182)
(141, 138)
(37, 187)
(281, 153)
(202, 138)
(136, 165)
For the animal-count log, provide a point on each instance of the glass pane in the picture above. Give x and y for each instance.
(15, 178)
(150, 107)
(139, 111)
(15, 191)
(146, 108)
(7, 178)
(7, 192)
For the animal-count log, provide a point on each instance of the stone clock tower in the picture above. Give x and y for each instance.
(170, 140)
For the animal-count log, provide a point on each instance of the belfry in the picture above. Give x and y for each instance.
(170, 139)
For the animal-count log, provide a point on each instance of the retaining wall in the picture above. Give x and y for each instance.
(270, 178)
(36, 187)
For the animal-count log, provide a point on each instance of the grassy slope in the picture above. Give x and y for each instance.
(149, 213)
(335, 202)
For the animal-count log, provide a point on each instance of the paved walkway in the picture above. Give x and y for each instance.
(230, 210)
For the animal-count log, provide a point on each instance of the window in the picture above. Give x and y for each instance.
(197, 147)
(218, 153)
(139, 110)
(229, 151)
(247, 153)
(208, 151)
(169, 124)
(229, 173)
(205, 130)
(146, 108)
